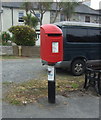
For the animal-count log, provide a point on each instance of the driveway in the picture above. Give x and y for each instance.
(20, 70)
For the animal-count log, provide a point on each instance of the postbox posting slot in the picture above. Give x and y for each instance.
(54, 35)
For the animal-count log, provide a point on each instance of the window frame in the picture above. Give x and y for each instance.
(20, 18)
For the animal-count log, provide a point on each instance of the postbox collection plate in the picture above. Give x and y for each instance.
(55, 47)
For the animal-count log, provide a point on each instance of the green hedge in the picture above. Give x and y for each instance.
(23, 35)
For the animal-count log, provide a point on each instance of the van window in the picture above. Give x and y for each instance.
(94, 35)
(83, 35)
(76, 34)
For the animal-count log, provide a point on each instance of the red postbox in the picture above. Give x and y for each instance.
(51, 43)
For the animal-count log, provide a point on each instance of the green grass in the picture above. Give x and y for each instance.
(16, 57)
(11, 57)
(6, 83)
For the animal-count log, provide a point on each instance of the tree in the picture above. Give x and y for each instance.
(41, 6)
(68, 9)
(27, 6)
(65, 7)
(58, 8)
(30, 20)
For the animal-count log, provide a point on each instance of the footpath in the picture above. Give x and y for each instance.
(71, 107)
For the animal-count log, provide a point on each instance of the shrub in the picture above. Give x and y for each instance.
(30, 20)
(5, 37)
(23, 35)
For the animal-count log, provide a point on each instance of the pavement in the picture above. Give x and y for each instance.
(75, 106)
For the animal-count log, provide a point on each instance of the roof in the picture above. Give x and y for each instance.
(15, 4)
(88, 3)
(82, 9)
(99, 11)
(65, 23)
(85, 10)
(12, 4)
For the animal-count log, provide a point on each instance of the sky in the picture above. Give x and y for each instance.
(96, 4)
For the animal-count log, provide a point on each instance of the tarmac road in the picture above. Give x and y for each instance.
(20, 70)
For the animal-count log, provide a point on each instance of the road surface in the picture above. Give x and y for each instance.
(20, 70)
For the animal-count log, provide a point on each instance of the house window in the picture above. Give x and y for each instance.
(62, 17)
(38, 15)
(20, 17)
(87, 18)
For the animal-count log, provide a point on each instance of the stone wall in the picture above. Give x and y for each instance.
(31, 51)
(26, 51)
(6, 50)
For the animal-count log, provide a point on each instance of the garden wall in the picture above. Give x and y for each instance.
(6, 50)
(30, 51)
(26, 51)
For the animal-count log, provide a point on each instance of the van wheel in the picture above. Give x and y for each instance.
(78, 67)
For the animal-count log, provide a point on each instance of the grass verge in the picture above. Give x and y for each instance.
(30, 91)
(11, 57)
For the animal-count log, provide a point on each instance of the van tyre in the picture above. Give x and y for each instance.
(78, 67)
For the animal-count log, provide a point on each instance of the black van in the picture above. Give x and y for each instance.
(82, 44)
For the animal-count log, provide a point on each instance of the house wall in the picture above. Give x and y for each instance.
(52, 15)
(76, 17)
(81, 18)
(15, 16)
(7, 18)
(46, 18)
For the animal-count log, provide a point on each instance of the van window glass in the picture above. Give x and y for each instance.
(76, 34)
(83, 35)
(94, 35)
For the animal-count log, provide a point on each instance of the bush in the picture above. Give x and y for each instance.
(30, 20)
(5, 37)
(23, 35)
